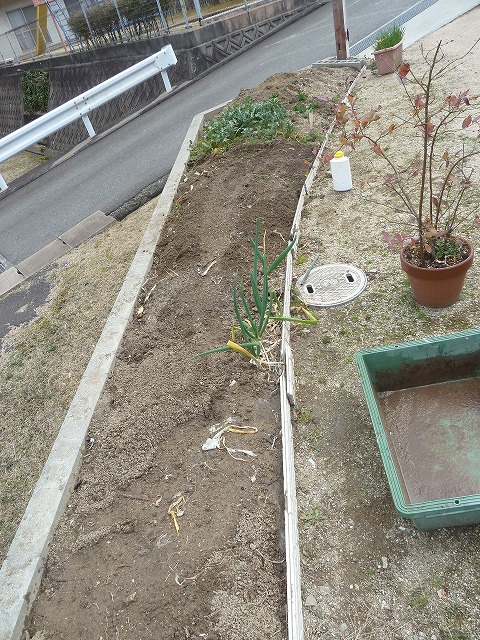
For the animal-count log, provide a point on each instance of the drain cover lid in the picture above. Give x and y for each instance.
(331, 285)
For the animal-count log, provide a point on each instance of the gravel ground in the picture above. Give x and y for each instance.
(367, 573)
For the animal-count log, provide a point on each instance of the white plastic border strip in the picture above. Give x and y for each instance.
(287, 398)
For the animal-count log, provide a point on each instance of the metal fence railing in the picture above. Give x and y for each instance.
(72, 25)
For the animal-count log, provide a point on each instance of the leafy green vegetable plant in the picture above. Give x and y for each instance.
(250, 119)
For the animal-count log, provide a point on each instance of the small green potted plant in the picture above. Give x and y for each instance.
(388, 50)
(433, 191)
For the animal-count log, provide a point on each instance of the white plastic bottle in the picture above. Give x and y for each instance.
(341, 174)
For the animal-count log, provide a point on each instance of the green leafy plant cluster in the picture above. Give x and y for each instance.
(389, 38)
(250, 119)
(445, 248)
(312, 516)
(305, 104)
(35, 87)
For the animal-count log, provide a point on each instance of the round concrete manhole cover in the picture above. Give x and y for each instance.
(331, 285)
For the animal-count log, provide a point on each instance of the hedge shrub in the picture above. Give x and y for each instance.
(35, 87)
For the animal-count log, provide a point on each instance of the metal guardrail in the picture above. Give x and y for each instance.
(81, 106)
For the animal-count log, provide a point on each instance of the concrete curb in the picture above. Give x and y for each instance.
(21, 572)
(15, 275)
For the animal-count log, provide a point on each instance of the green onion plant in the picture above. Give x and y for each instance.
(254, 317)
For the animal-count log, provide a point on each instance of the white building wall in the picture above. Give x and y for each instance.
(10, 48)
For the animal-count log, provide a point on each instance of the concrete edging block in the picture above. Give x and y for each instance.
(43, 258)
(89, 227)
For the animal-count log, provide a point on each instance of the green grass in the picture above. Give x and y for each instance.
(301, 259)
(420, 601)
(389, 38)
(305, 416)
(312, 516)
(312, 437)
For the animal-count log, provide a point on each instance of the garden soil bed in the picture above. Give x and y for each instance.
(117, 566)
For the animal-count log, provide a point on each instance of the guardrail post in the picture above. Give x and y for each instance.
(88, 125)
(166, 81)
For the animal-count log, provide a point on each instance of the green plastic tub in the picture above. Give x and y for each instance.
(424, 402)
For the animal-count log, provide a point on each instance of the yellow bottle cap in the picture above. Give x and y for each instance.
(338, 154)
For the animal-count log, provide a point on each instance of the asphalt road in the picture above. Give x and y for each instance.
(108, 172)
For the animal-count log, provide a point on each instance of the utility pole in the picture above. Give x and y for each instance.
(341, 33)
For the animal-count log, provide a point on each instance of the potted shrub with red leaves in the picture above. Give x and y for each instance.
(432, 193)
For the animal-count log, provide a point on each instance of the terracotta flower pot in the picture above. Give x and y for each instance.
(388, 60)
(437, 287)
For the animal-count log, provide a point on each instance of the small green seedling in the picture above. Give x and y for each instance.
(312, 516)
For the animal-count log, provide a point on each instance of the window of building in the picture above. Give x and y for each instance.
(24, 23)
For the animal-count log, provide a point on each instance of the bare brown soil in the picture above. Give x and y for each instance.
(117, 567)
